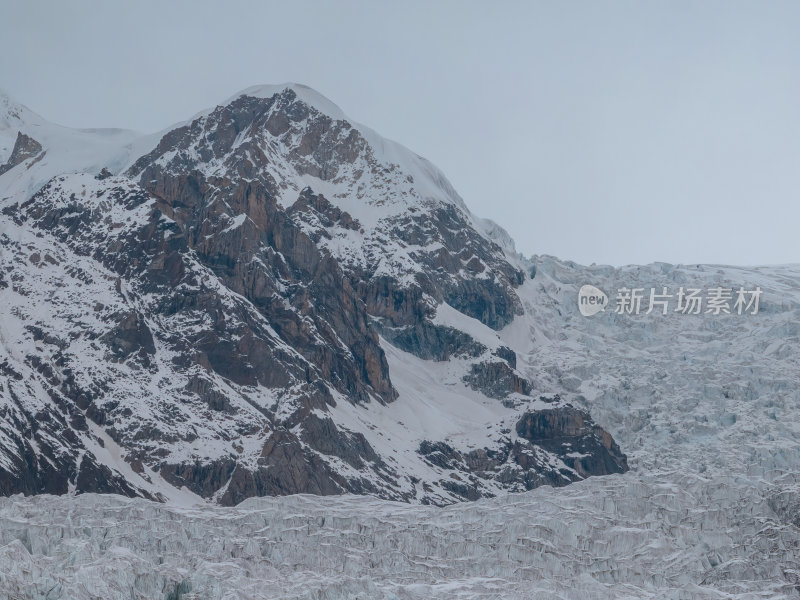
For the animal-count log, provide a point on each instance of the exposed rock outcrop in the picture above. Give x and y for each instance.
(25, 147)
(241, 310)
(570, 433)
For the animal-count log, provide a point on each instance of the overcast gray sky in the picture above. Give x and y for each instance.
(608, 132)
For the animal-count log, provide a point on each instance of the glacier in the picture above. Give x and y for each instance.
(620, 536)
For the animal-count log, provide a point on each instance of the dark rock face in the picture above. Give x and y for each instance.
(567, 431)
(131, 336)
(497, 379)
(323, 436)
(25, 147)
(296, 324)
(270, 262)
(565, 435)
(404, 312)
(39, 465)
(466, 270)
(313, 208)
(452, 272)
(221, 325)
(404, 318)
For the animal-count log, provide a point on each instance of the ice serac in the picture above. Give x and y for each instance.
(271, 299)
(632, 536)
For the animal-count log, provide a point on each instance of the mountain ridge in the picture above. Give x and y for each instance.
(226, 308)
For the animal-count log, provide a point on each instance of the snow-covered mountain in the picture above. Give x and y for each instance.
(265, 299)
(270, 299)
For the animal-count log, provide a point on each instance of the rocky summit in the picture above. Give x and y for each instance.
(267, 299)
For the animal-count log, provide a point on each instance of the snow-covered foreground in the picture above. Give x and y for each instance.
(629, 536)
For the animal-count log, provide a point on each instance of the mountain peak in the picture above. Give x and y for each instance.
(306, 94)
(14, 114)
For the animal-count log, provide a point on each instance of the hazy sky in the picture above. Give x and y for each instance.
(608, 132)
